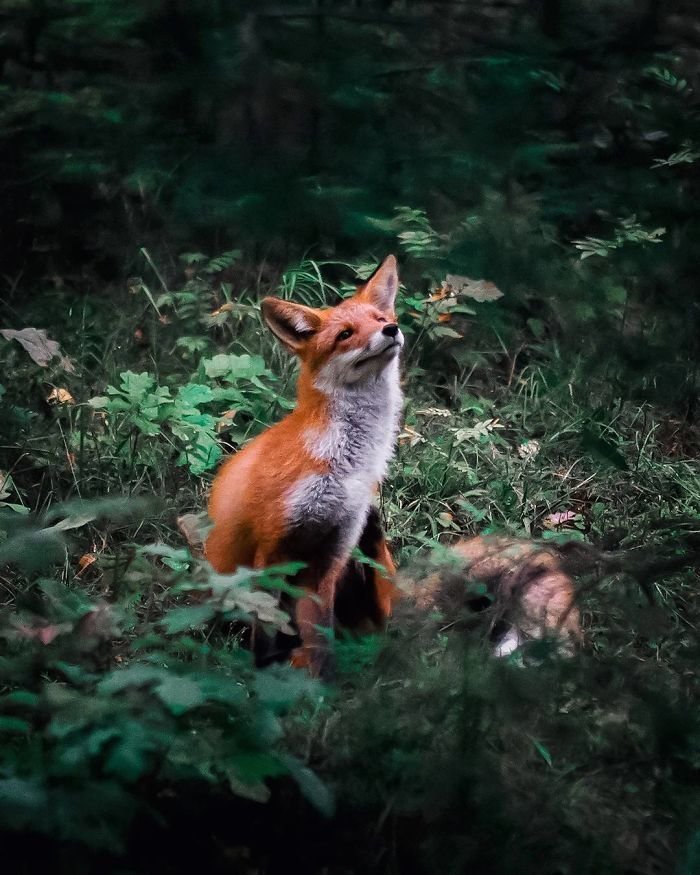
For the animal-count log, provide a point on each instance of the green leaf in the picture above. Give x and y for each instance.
(66, 603)
(146, 426)
(602, 449)
(187, 617)
(179, 694)
(75, 521)
(21, 697)
(542, 751)
(537, 327)
(223, 689)
(136, 386)
(194, 394)
(234, 367)
(132, 676)
(179, 554)
(129, 758)
(247, 772)
(445, 331)
(34, 549)
(13, 725)
(691, 857)
(22, 803)
(256, 791)
(280, 689)
(312, 787)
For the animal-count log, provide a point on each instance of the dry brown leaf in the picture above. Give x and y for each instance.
(477, 290)
(225, 420)
(441, 293)
(60, 396)
(224, 308)
(478, 430)
(410, 436)
(85, 561)
(40, 348)
(434, 411)
(262, 604)
(192, 528)
(561, 518)
(529, 449)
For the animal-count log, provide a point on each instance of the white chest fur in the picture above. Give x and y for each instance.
(357, 443)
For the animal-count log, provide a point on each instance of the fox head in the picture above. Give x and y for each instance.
(346, 345)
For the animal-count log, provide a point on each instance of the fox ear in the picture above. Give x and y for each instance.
(380, 289)
(291, 323)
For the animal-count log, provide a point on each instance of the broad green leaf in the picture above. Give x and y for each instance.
(188, 617)
(312, 787)
(179, 694)
(194, 394)
(12, 725)
(132, 676)
(234, 367)
(136, 385)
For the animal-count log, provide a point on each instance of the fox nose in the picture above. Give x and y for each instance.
(391, 330)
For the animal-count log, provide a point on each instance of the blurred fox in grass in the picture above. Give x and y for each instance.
(523, 582)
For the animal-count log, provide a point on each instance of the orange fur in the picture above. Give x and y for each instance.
(249, 498)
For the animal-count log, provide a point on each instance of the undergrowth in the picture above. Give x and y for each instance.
(137, 733)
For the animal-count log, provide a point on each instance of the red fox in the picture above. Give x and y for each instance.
(527, 586)
(303, 489)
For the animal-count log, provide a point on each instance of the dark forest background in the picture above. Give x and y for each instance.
(534, 166)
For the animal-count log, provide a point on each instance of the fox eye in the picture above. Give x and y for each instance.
(381, 319)
(347, 332)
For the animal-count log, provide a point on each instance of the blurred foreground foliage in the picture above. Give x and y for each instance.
(137, 732)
